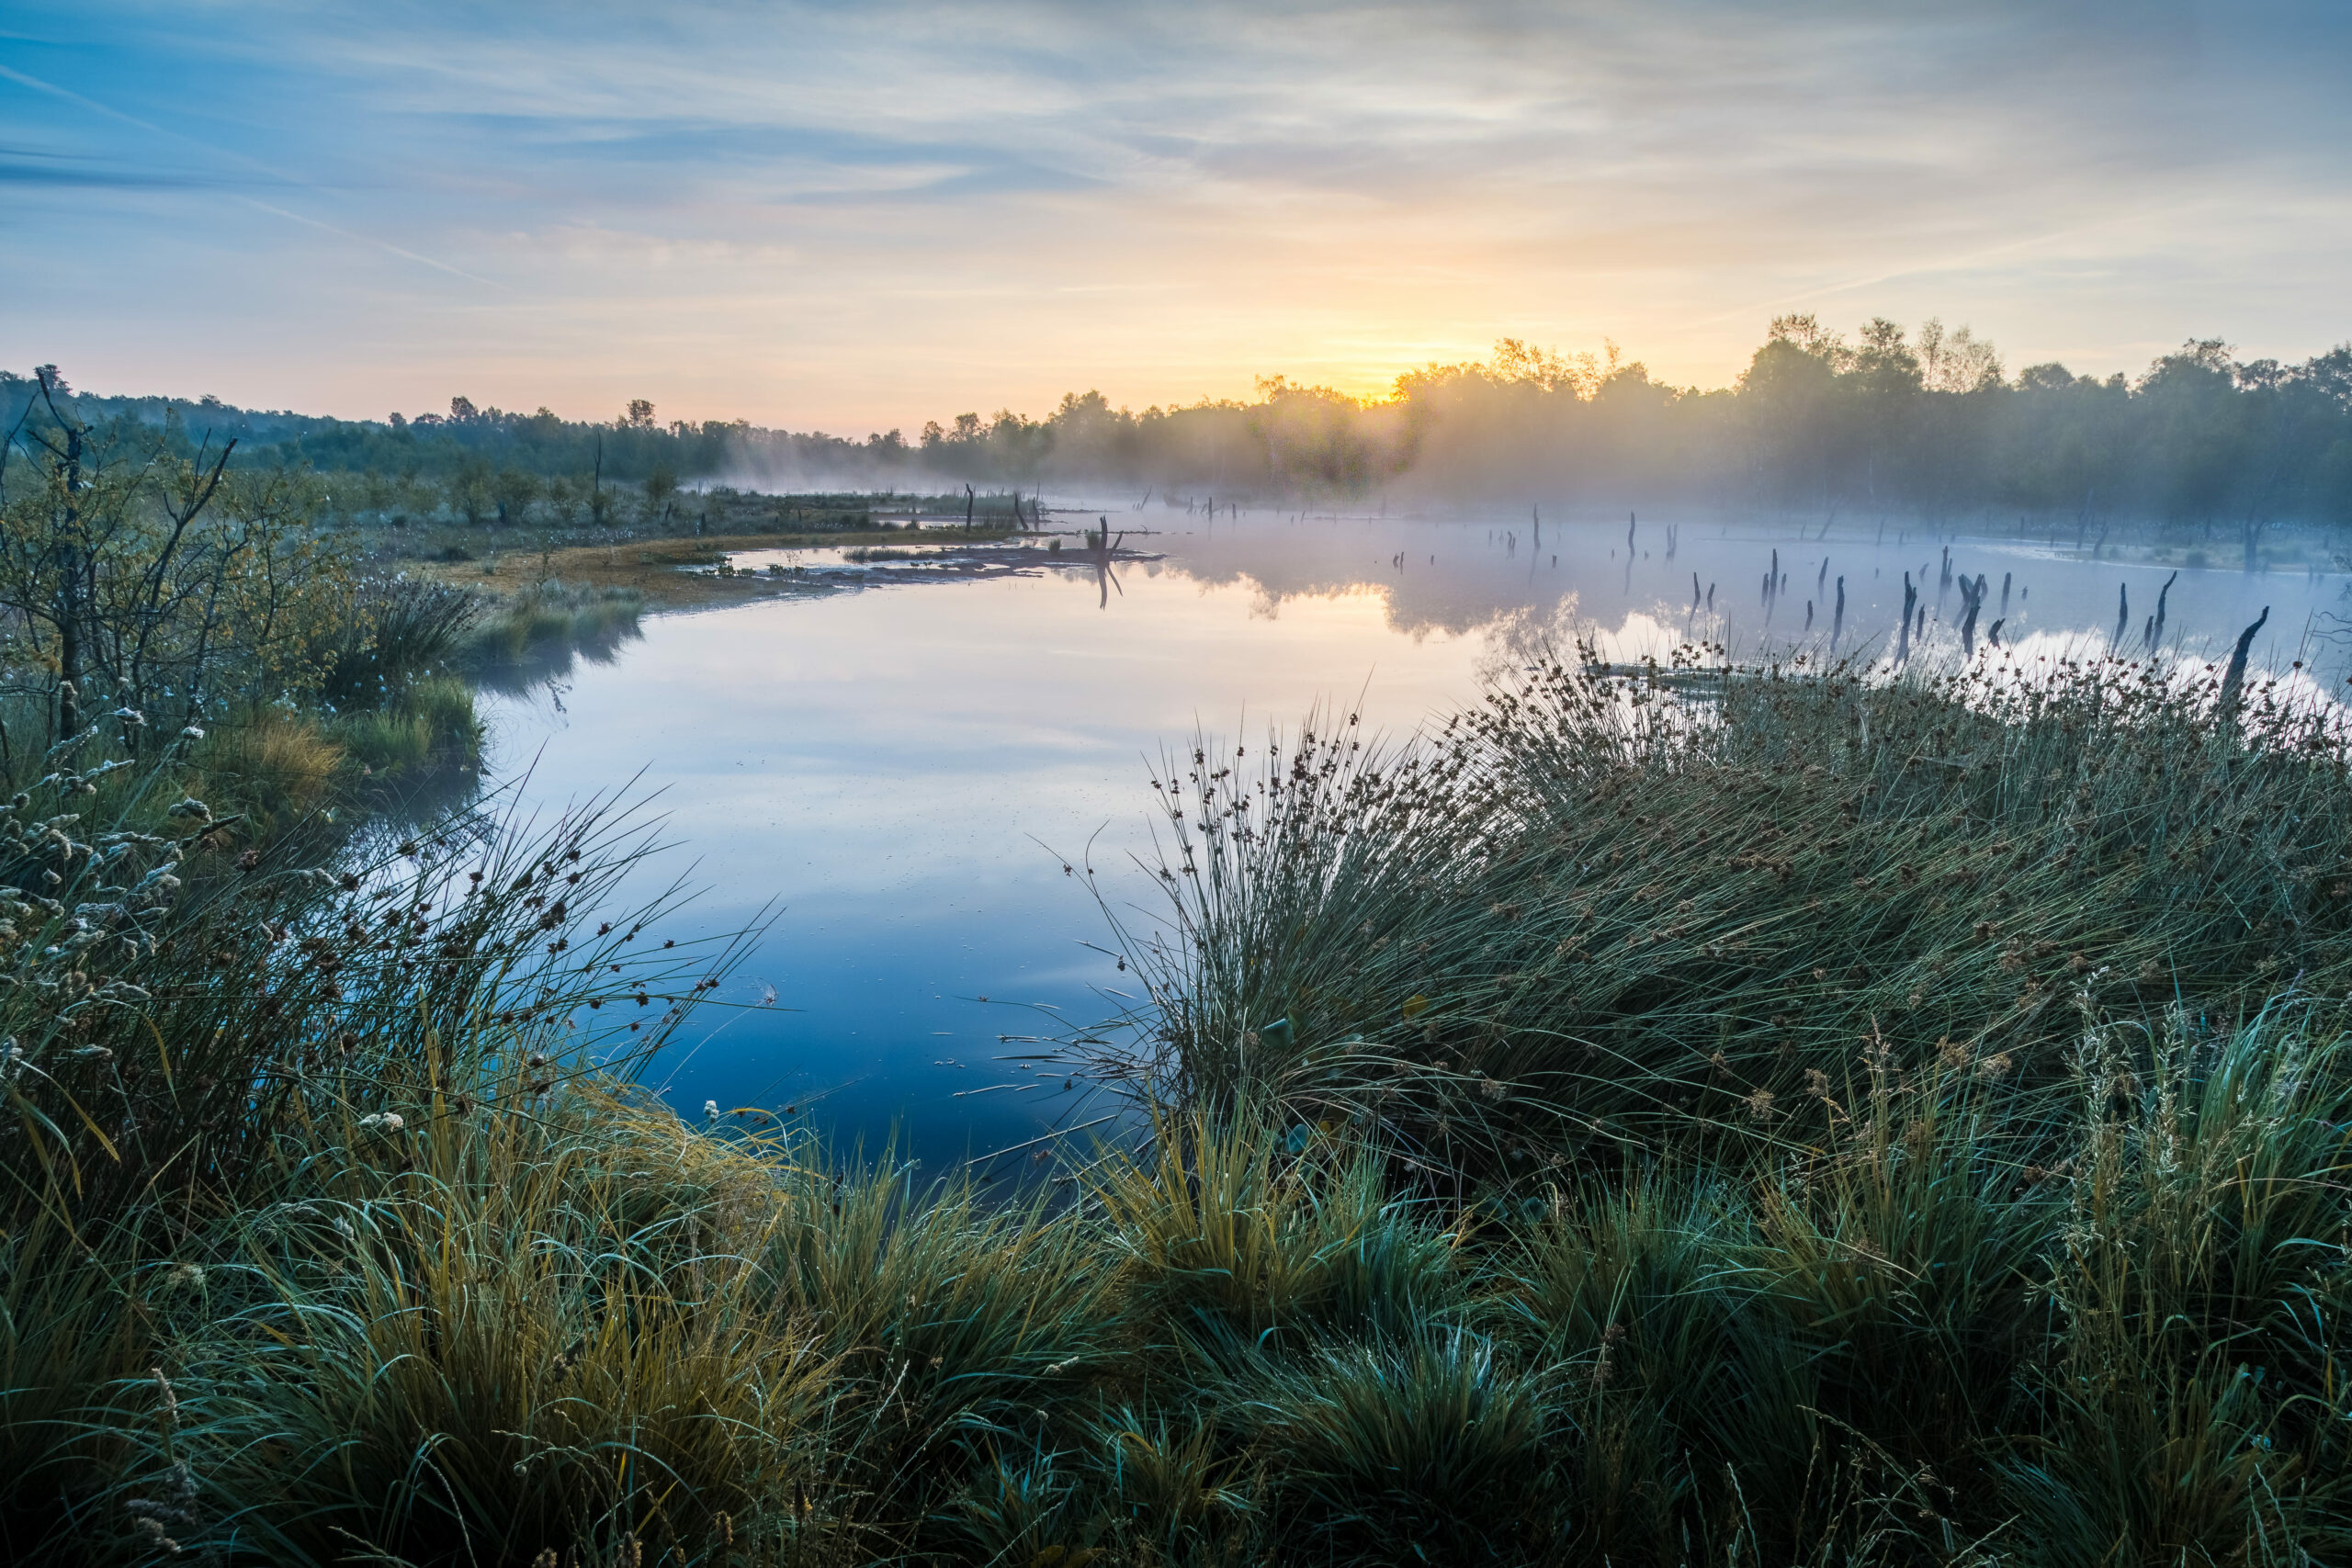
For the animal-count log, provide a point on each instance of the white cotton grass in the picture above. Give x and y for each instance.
(386, 1122)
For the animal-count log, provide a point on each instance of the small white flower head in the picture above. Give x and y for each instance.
(710, 1109)
(193, 732)
(387, 1122)
(188, 1277)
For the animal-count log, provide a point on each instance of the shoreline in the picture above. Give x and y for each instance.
(668, 575)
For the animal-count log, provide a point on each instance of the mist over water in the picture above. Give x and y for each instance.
(908, 769)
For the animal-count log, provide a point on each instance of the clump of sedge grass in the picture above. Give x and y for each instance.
(1631, 900)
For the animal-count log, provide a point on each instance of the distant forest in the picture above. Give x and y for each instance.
(1923, 420)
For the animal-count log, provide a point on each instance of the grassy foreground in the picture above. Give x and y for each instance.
(336, 1233)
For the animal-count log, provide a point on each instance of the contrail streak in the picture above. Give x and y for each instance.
(111, 112)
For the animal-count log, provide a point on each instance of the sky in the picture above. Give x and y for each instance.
(858, 216)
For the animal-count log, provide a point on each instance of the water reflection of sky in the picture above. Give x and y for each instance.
(904, 770)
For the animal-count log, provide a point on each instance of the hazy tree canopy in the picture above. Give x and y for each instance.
(1917, 420)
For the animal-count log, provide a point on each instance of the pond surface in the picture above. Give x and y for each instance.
(904, 770)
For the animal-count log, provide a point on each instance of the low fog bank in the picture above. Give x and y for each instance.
(1921, 422)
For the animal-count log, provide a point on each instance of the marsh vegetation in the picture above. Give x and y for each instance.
(1684, 1114)
(170, 605)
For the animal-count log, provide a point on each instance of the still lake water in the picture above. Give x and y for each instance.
(905, 769)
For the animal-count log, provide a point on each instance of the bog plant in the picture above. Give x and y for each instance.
(1614, 900)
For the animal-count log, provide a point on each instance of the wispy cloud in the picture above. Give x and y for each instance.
(864, 214)
(25, 166)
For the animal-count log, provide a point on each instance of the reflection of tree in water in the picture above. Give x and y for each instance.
(552, 645)
(1457, 576)
(450, 801)
(1104, 548)
(1451, 594)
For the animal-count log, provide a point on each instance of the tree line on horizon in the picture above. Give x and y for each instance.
(1893, 420)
